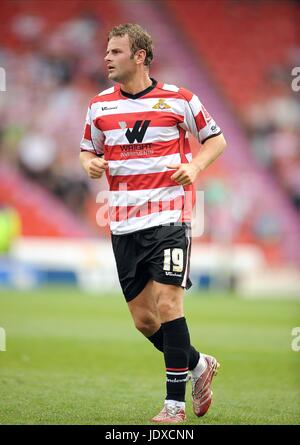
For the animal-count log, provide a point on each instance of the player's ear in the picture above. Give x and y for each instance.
(140, 56)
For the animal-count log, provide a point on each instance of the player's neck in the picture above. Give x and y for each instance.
(136, 84)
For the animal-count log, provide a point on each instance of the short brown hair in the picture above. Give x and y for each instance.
(138, 38)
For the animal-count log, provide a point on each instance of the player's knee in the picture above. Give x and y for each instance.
(146, 325)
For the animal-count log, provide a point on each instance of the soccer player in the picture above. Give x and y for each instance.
(136, 132)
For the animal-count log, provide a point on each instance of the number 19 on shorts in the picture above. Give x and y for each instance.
(173, 258)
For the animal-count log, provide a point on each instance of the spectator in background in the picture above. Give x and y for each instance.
(275, 132)
(42, 140)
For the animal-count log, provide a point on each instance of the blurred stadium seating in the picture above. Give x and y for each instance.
(237, 56)
(249, 49)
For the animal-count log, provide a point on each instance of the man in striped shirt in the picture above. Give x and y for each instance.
(136, 132)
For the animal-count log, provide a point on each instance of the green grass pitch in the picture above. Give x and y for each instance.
(73, 358)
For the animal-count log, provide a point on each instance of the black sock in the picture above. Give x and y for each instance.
(176, 354)
(158, 341)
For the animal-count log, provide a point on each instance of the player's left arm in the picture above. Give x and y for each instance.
(186, 174)
(198, 122)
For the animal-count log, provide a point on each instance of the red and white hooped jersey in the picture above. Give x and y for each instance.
(139, 135)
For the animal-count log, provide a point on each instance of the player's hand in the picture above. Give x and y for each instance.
(95, 167)
(185, 173)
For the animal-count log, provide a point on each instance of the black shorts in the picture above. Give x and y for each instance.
(160, 253)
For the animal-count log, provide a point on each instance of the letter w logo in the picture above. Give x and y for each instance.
(138, 132)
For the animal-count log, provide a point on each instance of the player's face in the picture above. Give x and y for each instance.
(120, 63)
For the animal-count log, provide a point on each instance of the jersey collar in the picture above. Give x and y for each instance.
(141, 93)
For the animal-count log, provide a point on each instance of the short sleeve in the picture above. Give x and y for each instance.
(197, 120)
(93, 138)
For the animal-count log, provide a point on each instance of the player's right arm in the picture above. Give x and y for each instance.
(92, 143)
(93, 165)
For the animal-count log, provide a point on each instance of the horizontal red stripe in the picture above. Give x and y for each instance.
(141, 182)
(137, 151)
(206, 114)
(87, 132)
(177, 369)
(157, 92)
(157, 118)
(200, 121)
(186, 93)
(187, 147)
(107, 97)
(121, 213)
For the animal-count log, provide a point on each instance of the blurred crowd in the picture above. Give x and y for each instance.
(50, 79)
(273, 124)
